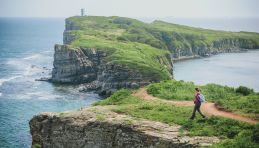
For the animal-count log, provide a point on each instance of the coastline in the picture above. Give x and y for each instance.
(184, 58)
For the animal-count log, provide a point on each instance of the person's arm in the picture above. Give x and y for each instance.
(195, 98)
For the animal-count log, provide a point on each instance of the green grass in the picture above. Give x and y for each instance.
(242, 104)
(36, 146)
(230, 131)
(151, 62)
(226, 97)
(122, 96)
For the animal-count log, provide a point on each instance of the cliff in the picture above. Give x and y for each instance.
(99, 127)
(88, 66)
(108, 53)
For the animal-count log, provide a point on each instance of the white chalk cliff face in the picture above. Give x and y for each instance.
(99, 127)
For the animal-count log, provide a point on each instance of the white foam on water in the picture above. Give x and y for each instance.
(35, 65)
(34, 56)
(3, 80)
(39, 95)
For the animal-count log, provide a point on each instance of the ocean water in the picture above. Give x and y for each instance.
(232, 69)
(26, 53)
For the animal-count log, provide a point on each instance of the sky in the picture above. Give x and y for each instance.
(132, 8)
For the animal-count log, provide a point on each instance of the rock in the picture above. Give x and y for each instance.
(43, 79)
(99, 127)
(134, 85)
(220, 46)
(71, 65)
(87, 66)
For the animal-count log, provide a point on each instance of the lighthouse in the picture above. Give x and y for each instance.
(83, 11)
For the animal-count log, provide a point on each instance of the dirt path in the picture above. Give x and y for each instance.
(208, 108)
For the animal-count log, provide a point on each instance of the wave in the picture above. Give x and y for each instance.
(3, 80)
(35, 56)
(39, 64)
(40, 95)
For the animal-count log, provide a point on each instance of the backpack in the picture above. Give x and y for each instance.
(201, 98)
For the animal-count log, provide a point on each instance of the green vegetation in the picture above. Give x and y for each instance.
(233, 133)
(244, 90)
(146, 48)
(242, 100)
(36, 146)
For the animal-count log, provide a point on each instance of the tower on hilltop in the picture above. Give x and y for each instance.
(83, 12)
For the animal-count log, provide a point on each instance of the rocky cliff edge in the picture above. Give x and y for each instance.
(100, 127)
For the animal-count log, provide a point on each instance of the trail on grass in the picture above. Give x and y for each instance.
(208, 107)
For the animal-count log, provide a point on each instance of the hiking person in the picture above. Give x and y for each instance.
(198, 99)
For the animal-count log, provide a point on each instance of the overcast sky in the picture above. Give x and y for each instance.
(130, 8)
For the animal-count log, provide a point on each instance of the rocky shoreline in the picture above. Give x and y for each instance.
(183, 58)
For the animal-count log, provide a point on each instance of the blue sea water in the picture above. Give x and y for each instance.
(26, 53)
(232, 69)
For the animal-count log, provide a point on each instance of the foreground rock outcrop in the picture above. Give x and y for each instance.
(99, 127)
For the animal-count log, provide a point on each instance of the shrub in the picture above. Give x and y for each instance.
(255, 134)
(244, 90)
(36, 146)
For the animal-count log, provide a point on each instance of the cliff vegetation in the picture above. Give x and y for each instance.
(178, 39)
(232, 133)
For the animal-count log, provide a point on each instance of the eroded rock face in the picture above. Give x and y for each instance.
(221, 46)
(87, 66)
(71, 65)
(98, 127)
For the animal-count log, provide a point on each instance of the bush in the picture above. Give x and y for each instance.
(244, 90)
(255, 134)
(242, 140)
(36, 146)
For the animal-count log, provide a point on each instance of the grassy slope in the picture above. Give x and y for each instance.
(207, 34)
(227, 97)
(233, 133)
(143, 47)
(101, 33)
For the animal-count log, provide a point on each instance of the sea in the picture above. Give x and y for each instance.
(231, 69)
(26, 54)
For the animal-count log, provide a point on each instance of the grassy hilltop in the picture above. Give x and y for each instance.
(148, 47)
(159, 34)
